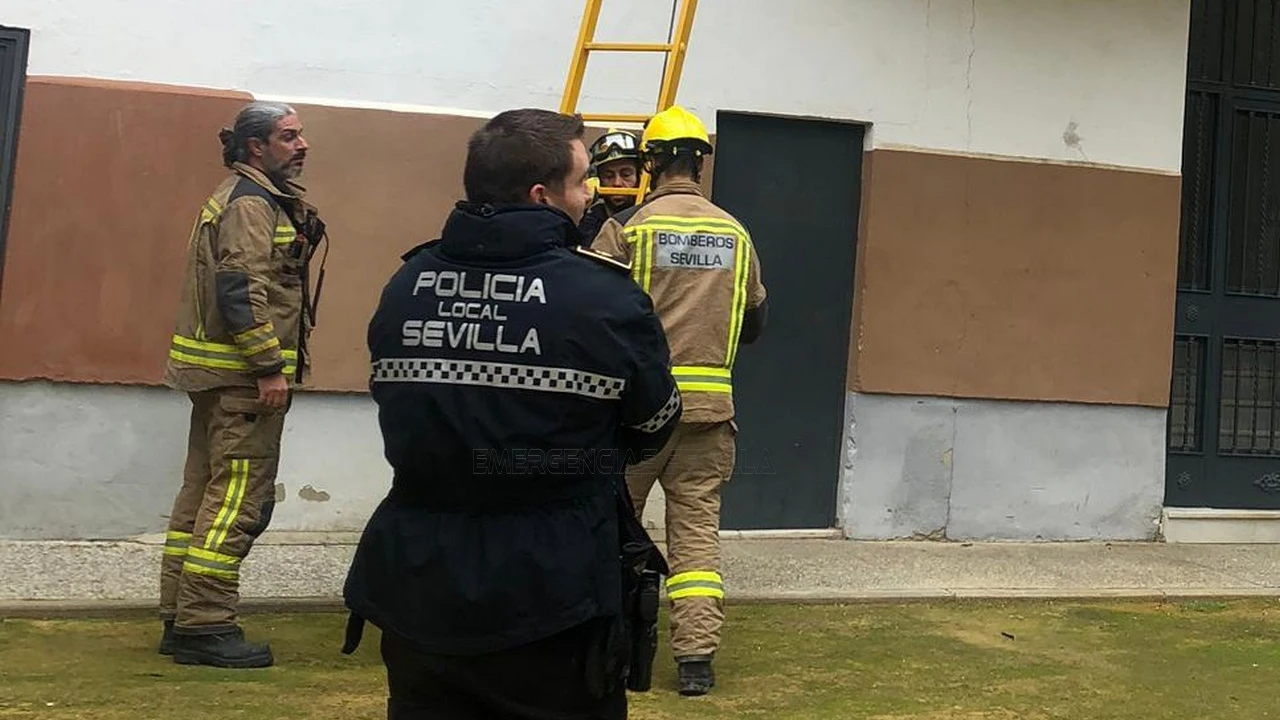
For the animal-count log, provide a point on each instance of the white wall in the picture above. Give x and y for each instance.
(1013, 77)
(103, 461)
(926, 467)
(81, 461)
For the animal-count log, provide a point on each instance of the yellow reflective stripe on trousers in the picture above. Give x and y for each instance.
(222, 356)
(205, 562)
(698, 583)
(236, 484)
(176, 543)
(285, 234)
(701, 378)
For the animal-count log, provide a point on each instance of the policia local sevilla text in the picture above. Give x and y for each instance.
(471, 333)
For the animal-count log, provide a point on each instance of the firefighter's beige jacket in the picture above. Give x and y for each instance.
(241, 314)
(698, 265)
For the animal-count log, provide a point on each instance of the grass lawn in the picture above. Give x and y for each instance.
(923, 661)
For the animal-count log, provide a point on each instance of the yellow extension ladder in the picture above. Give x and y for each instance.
(674, 49)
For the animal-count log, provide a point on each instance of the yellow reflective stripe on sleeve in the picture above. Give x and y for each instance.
(264, 345)
(285, 234)
(741, 268)
(176, 543)
(210, 210)
(695, 378)
(262, 332)
(236, 483)
(698, 583)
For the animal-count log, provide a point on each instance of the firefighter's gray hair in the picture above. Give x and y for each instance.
(255, 121)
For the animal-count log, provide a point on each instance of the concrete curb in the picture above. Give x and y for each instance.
(133, 609)
(112, 609)
(993, 594)
(305, 572)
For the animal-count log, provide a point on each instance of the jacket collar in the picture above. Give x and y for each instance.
(296, 191)
(678, 187)
(505, 231)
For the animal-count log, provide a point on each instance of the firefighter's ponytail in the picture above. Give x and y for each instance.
(255, 121)
(226, 136)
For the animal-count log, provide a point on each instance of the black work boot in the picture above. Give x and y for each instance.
(696, 674)
(166, 639)
(226, 649)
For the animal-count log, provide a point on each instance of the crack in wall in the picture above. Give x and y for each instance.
(968, 72)
(951, 467)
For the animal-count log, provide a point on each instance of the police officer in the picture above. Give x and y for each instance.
(516, 373)
(615, 160)
(698, 264)
(238, 350)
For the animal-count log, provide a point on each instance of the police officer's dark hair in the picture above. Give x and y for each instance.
(255, 121)
(518, 149)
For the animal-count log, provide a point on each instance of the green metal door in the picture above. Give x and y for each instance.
(795, 184)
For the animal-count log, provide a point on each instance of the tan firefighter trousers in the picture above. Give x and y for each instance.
(227, 495)
(695, 462)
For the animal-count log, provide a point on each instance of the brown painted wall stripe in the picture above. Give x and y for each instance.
(989, 278)
(977, 278)
(384, 182)
(108, 178)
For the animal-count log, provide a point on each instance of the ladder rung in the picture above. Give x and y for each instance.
(618, 191)
(615, 117)
(628, 47)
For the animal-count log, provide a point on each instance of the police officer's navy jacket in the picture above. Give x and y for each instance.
(515, 373)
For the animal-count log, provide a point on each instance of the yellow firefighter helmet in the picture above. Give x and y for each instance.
(675, 129)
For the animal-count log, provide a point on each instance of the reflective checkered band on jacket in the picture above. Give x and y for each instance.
(655, 423)
(501, 375)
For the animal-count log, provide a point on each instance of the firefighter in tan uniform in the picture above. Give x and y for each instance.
(698, 265)
(238, 349)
